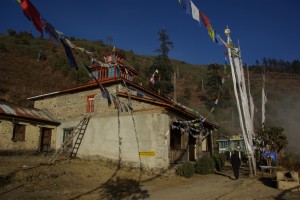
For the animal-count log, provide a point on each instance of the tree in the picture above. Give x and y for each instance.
(166, 44)
(163, 64)
(272, 136)
(110, 39)
(215, 87)
(296, 66)
(24, 35)
(214, 79)
(11, 32)
(187, 93)
(3, 47)
(72, 38)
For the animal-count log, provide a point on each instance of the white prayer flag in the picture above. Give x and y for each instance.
(195, 12)
(263, 109)
(152, 80)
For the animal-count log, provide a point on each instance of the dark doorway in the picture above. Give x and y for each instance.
(46, 139)
(178, 145)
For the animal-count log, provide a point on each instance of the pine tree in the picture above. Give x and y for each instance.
(163, 64)
(215, 88)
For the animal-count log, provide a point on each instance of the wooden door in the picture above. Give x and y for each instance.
(46, 139)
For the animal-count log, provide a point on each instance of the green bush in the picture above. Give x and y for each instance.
(205, 165)
(219, 160)
(3, 47)
(187, 170)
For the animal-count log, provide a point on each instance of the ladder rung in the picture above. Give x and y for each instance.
(79, 131)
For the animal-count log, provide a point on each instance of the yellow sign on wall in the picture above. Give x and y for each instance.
(146, 153)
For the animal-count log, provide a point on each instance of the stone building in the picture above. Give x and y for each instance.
(133, 125)
(25, 129)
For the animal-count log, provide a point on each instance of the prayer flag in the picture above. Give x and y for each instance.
(104, 92)
(186, 5)
(54, 36)
(205, 20)
(152, 80)
(88, 52)
(81, 49)
(264, 101)
(223, 42)
(195, 12)
(217, 101)
(59, 33)
(216, 38)
(32, 14)
(211, 33)
(71, 44)
(69, 54)
(234, 52)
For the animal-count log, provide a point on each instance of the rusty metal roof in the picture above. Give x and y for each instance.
(8, 109)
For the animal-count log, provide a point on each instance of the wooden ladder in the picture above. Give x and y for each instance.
(79, 138)
(80, 130)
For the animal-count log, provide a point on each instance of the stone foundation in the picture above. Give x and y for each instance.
(287, 180)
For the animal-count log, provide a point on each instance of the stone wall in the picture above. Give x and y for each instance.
(113, 135)
(73, 105)
(32, 137)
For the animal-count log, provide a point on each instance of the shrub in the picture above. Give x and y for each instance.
(3, 47)
(219, 160)
(187, 170)
(205, 165)
(11, 32)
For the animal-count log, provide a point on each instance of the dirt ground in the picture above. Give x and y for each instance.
(30, 177)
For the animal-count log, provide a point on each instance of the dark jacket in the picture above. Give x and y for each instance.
(235, 160)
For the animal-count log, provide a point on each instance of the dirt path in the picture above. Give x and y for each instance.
(26, 177)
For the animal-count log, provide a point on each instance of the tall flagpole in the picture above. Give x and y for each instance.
(263, 99)
(246, 139)
(246, 109)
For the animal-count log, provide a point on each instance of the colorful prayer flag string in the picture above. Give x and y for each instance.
(41, 24)
(190, 8)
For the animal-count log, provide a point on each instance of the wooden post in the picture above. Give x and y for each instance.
(174, 80)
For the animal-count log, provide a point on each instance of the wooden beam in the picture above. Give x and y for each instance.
(149, 109)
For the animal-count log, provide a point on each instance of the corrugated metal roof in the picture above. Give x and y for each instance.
(14, 110)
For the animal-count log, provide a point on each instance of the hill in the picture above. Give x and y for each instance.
(32, 66)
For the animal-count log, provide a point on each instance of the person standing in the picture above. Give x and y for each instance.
(236, 163)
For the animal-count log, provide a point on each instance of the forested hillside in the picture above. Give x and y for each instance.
(32, 66)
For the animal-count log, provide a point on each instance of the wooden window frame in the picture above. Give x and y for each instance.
(19, 132)
(90, 103)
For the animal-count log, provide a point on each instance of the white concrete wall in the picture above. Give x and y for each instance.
(117, 138)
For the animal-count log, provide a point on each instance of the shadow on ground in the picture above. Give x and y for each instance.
(123, 188)
(289, 194)
(268, 181)
(227, 172)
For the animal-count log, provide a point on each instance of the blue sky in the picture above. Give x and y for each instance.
(265, 28)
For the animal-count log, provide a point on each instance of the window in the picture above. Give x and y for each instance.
(118, 72)
(19, 132)
(66, 134)
(111, 72)
(90, 103)
(96, 74)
